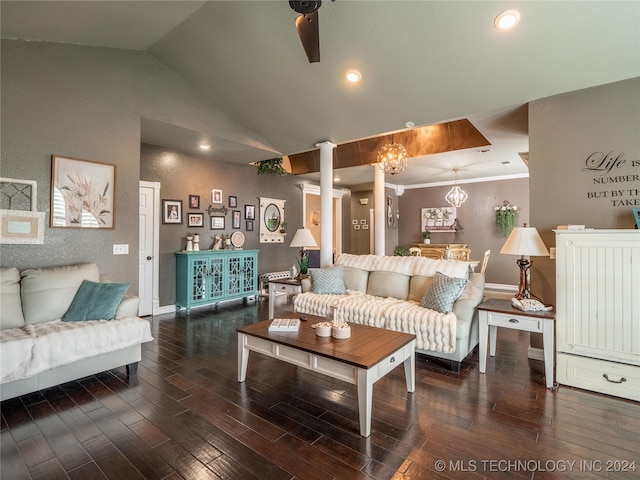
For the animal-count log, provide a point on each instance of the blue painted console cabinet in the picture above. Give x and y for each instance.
(213, 276)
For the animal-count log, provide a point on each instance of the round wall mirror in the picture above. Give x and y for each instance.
(272, 217)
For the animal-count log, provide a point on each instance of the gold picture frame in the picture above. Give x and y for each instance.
(82, 193)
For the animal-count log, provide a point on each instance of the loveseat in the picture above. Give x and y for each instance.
(435, 300)
(62, 323)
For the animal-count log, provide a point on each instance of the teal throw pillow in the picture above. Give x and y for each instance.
(95, 301)
(443, 293)
(328, 280)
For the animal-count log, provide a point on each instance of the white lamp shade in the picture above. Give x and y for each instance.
(525, 241)
(303, 238)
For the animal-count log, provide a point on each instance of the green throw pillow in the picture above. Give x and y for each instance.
(95, 301)
(328, 280)
(443, 293)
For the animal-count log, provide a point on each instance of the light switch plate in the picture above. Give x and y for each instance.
(121, 249)
(552, 253)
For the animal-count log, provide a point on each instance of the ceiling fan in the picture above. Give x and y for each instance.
(307, 26)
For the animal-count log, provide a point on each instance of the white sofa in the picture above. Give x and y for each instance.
(386, 291)
(38, 349)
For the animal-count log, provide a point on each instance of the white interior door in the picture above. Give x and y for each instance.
(148, 242)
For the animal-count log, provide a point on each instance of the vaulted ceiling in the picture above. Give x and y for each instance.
(425, 62)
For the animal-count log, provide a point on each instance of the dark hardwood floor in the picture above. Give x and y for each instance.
(186, 416)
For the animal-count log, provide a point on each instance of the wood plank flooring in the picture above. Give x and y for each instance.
(186, 416)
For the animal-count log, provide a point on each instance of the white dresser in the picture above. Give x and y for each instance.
(598, 311)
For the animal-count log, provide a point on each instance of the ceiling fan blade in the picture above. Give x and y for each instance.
(309, 32)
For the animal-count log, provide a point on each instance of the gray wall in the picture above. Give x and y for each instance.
(87, 102)
(477, 217)
(564, 131)
(181, 174)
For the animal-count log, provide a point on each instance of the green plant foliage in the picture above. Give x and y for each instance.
(273, 165)
(506, 218)
(402, 252)
(426, 234)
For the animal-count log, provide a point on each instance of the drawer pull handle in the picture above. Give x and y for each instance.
(393, 359)
(622, 380)
(514, 320)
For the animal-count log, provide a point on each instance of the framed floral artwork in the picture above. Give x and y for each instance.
(82, 193)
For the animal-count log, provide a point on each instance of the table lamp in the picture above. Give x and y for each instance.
(303, 238)
(524, 241)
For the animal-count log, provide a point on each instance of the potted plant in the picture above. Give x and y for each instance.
(273, 165)
(506, 218)
(283, 227)
(426, 236)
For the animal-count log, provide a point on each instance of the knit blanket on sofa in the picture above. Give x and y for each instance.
(434, 331)
(32, 349)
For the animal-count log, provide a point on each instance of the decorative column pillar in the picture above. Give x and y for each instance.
(379, 209)
(326, 203)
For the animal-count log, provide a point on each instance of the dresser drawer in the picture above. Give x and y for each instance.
(598, 375)
(516, 322)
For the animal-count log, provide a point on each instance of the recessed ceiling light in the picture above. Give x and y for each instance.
(409, 124)
(484, 150)
(507, 20)
(204, 146)
(353, 76)
(506, 162)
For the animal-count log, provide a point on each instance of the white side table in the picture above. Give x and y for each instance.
(496, 313)
(290, 286)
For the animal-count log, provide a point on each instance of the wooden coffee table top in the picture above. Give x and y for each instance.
(366, 347)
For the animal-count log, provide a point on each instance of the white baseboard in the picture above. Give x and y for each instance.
(501, 287)
(164, 309)
(535, 353)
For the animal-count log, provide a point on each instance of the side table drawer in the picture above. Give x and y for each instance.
(281, 288)
(515, 322)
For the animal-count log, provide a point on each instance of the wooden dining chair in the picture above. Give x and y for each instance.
(485, 260)
(415, 251)
(434, 253)
(459, 253)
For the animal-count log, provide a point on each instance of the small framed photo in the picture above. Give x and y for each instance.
(216, 196)
(249, 212)
(172, 212)
(21, 227)
(356, 227)
(233, 201)
(235, 219)
(249, 225)
(194, 201)
(365, 227)
(195, 219)
(217, 223)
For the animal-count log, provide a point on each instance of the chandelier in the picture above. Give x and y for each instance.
(392, 158)
(456, 195)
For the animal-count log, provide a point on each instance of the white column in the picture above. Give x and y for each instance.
(372, 223)
(379, 209)
(326, 203)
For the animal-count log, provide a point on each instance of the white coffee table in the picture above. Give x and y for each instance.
(363, 359)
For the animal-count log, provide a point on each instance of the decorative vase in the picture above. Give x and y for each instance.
(189, 244)
(196, 242)
(293, 271)
(427, 240)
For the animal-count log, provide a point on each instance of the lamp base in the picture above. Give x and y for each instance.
(523, 286)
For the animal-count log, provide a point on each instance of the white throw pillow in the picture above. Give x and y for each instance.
(10, 304)
(47, 293)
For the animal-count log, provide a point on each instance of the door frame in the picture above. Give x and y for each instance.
(155, 302)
